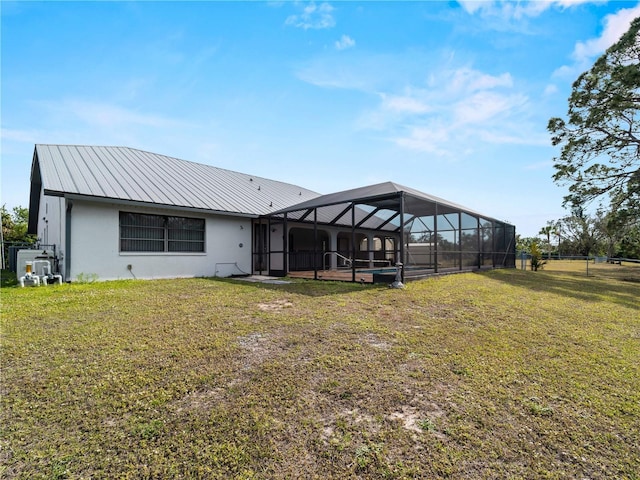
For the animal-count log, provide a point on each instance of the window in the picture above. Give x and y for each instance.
(158, 233)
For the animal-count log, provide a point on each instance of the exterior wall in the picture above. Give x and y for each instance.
(50, 226)
(51, 229)
(276, 244)
(95, 246)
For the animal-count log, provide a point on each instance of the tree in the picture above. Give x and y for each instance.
(547, 231)
(14, 227)
(629, 246)
(600, 140)
(621, 229)
(523, 244)
(582, 235)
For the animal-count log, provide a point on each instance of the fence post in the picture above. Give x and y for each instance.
(587, 265)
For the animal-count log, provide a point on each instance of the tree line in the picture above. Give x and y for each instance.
(599, 159)
(580, 234)
(14, 230)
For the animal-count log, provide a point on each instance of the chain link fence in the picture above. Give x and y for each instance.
(617, 268)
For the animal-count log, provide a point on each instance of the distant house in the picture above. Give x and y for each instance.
(117, 212)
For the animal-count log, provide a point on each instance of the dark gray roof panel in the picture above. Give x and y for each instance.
(123, 173)
(346, 196)
(417, 202)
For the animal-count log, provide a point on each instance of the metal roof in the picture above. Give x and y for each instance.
(125, 174)
(122, 173)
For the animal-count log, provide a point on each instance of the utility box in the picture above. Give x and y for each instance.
(25, 256)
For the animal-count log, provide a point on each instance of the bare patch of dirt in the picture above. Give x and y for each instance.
(409, 416)
(253, 341)
(262, 347)
(258, 349)
(420, 416)
(352, 416)
(275, 306)
(374, 341)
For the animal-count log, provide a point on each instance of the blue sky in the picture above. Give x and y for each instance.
(450, 98)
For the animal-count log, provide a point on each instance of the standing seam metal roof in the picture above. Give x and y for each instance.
(122, 173)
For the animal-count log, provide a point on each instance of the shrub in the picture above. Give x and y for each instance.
(536, 258)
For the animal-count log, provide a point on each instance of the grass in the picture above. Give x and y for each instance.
(502, 374)
(8, 279)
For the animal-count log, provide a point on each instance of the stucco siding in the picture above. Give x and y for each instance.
(51, 223)
(277, 246)
(95, 247)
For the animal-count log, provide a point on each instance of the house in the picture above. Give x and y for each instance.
(118, 212)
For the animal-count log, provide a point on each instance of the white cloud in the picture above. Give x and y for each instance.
(404, 104)
(111, 116)
(429, 139)
(88, 121)
(615, 25)
(507, 135)
(584, 53)
(505, 10)
(568, 71)
(345, 42)
(539, 165)
(460, 110)
(471, 6)
(21, 136)
(341, 78)
(361, 72)
(469, 80)
(508, 9)
(313, 16)
(483, 106)
(573, 3)
(429, 104)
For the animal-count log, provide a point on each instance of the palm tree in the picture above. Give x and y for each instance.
(547, 231)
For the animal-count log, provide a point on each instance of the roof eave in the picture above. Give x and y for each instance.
(137, 203)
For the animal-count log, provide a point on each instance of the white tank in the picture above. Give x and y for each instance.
(25, 256)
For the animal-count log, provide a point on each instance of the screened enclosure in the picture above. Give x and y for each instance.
(366, 233)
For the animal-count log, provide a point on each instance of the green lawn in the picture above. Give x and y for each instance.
(502, 374)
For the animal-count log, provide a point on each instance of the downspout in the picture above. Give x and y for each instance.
(67, 241)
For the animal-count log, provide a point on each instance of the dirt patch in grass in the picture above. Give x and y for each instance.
(419, 418)
(275, 306)
(375, 341)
